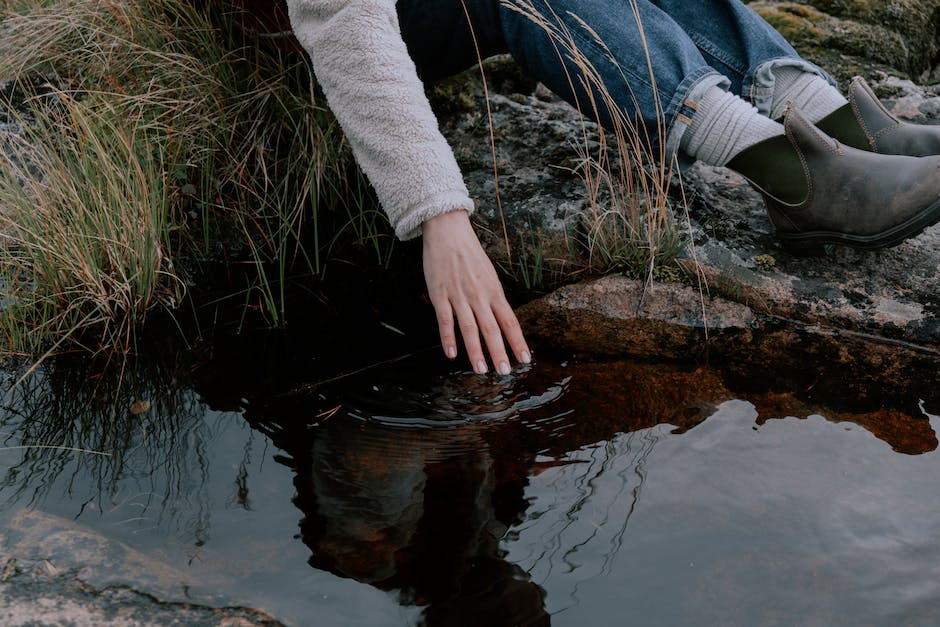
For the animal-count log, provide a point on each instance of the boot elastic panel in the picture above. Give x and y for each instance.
(865, 123)
(774, 167)
(843, 125)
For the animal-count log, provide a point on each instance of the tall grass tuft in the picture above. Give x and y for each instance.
(84, 239)
(150, 128)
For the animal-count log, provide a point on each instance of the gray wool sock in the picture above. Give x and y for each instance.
(810, 93)
(723, 126)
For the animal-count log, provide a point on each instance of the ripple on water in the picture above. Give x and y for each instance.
(409, 400)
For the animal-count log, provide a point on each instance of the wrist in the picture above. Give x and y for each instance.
(447, 222)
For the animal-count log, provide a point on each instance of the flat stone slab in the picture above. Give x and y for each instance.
(891, 293)
(40, 601)
(617, 317)
(48, 571)
(614, 315)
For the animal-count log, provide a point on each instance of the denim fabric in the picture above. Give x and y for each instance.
(691, 46)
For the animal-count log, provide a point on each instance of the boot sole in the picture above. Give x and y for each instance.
(814, 243)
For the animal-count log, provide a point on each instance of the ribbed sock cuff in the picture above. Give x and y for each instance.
(810, 93)
(723, 126)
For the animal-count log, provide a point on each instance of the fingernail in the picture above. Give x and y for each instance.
(481, 367)
(526, 357)
(452, 351)
(504, 368)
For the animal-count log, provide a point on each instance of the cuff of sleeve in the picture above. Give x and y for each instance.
(408, 226)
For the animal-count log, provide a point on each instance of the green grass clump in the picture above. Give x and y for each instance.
(84, 242)
(150, 128)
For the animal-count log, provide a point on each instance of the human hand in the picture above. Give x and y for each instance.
(462, 284)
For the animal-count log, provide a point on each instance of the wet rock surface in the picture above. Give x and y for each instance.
(48, 567)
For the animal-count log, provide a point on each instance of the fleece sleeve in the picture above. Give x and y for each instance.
(373, 89)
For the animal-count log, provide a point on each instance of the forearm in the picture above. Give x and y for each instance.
(373, 89)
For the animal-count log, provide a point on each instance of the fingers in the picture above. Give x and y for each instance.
(470, 332)
(493, 336)
(463, 287)
(445, 326)
(492, 324)
(512, 331)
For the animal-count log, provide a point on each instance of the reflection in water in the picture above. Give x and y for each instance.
(128, 450)
(480, 500)
(422, 524)
(137, 429)
(575, 528)
(420, 486)
(394, 503)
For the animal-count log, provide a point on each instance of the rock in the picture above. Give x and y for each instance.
(893, 294)
(614, 315)
(51, 571)
(535, 198)
(890, 293)
(861, 36)
(41, 601)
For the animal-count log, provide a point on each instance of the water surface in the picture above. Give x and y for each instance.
(569, 493)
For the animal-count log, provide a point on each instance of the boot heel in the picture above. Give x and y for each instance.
(803, 248)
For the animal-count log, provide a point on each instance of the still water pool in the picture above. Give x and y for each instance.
(572, 492)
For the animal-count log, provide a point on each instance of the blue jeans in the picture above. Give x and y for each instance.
(691, 45)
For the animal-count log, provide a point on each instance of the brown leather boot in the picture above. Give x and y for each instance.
(819, 191)
(866, 124)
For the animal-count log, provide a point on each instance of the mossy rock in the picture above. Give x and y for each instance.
(850, 37)
(456, 94)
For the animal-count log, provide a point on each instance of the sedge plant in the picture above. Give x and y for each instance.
(154, 132)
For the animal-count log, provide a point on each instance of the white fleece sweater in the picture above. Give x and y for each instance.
(372, 87)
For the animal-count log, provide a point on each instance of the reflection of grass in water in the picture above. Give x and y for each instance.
(580, 512)
(161, 128)
(156, 464)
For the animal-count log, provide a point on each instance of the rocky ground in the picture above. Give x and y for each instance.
(740, 295)
(891, 295)
(48, 569)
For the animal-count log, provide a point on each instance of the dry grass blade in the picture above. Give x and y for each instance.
(86, 207)
(627, 177)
